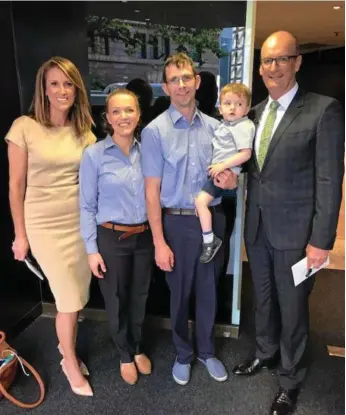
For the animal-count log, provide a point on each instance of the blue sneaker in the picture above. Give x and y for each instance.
(215, 368)
(181, 373)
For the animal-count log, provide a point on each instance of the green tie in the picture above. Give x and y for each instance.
(267, 133)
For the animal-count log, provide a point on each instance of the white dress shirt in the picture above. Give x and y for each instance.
(284, 102)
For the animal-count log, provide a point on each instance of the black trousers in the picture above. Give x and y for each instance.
(281, 309)
(125, 286)
(184, 236)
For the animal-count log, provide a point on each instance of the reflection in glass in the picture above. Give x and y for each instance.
(120, 50)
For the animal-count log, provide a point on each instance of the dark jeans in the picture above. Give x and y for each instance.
(183, 235)
(125, 286)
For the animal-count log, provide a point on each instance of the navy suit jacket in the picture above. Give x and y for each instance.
(298, 191)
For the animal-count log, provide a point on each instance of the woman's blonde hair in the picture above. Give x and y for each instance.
(79, 113)
(121, 91)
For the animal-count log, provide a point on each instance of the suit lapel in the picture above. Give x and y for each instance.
(291, 113)
(259, 111)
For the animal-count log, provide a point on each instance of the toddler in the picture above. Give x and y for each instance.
(232, 146)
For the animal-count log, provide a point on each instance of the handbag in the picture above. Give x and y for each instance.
(9, 370)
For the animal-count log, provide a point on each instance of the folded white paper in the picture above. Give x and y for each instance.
(33, 268)
(300, 270)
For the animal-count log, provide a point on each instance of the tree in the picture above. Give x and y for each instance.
(195, 42)
(116, 29)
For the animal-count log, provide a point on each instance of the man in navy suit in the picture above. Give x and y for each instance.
(294, 195)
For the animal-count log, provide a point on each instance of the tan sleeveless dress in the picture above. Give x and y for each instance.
(51, 208)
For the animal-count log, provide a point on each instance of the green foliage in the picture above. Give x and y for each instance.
(195, 42)
(115, 29)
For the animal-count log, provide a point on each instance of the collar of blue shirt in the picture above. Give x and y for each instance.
(176, 115)
(110, 143)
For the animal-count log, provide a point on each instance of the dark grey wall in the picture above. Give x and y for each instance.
(31, 32)
(321, 72)
(324, 73)
(54, 28)
(20, 296)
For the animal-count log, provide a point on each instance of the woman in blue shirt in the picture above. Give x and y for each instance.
(115, 230)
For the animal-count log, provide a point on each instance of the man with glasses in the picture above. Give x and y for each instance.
(293, 200)
(176, 153)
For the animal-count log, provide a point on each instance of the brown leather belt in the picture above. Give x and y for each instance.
(189, 212)
(128, 230)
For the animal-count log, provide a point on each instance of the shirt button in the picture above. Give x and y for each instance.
(192, 164)
(192, 145)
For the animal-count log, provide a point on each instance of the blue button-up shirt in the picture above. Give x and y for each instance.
(179, 153)
(111, 189)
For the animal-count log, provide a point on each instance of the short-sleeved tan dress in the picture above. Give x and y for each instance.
(51, 208)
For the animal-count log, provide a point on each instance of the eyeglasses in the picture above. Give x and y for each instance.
(176, 80)
(280, 60)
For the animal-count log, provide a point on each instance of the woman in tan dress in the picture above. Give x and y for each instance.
(44, 150)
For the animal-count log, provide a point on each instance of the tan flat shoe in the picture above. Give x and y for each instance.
(129, 373)
(143, 364)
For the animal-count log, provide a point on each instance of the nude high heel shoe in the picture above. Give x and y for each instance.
(84, 390)
(82, 367)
